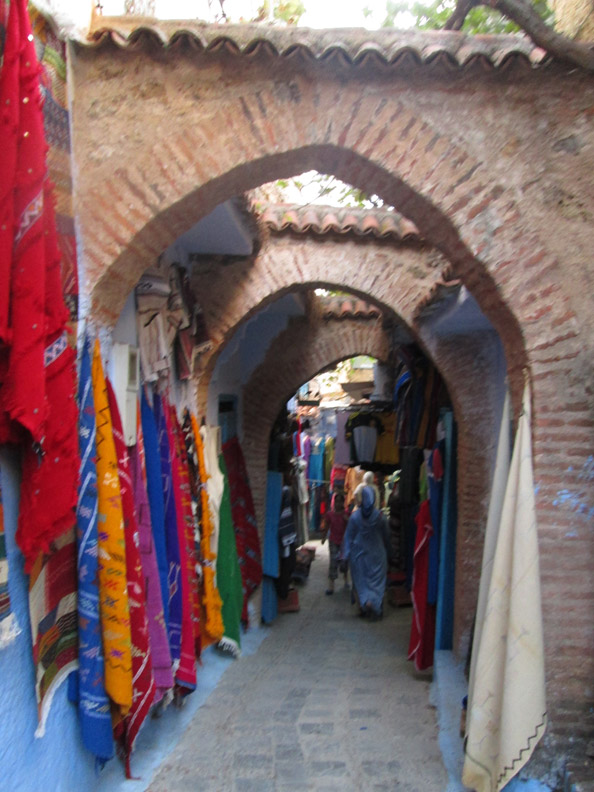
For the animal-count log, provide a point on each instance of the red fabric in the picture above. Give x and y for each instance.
(244, 522)
(336, 522)
(185, 676)
(422, 633)
(37, 405)
(190, 529)
(143, 682)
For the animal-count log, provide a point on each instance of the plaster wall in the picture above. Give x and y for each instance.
(58, 761)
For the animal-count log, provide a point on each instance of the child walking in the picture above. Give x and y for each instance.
(336, 521)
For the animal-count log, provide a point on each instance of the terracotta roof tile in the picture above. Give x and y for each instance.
(338, 307)
(444, 50)
(316, 219)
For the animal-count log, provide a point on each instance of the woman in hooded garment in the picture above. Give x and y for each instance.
(366, 546)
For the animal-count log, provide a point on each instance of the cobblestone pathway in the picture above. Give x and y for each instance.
(327, 703)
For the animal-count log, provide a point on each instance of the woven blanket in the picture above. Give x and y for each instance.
(51, 53)
(508, 716)
(244, 522)
(212, 621)
(271, 560)
(154, 489)
(192, 512)
(53, 613)
(174, 623)
(185, 675)
(143, 682)
(37, 381)
(422, 629)
(228, 573)
(160, 654)
(89, 689)
(113, 588)
(9, 628)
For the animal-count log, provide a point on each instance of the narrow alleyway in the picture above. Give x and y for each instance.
(328, 702)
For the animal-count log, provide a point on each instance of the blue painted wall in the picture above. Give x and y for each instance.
(58, 761)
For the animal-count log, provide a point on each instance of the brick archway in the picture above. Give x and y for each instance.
(458, 160)
(400, 276)
(311, 344)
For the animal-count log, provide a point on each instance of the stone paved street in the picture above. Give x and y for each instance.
(327, 703)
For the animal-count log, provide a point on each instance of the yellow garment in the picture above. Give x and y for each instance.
(113, 591)
(507, 713)
(352, 479)
(212, 624)
(386, 450)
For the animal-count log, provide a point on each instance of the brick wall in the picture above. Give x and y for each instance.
(493, 168)
(308, 345)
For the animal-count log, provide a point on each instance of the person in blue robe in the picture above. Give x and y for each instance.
(366, 546)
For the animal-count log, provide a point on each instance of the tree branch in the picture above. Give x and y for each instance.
(456, 21)
(522, 13)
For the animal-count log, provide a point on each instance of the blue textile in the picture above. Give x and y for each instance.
(174, 624)
(86, 685)
(366, 544)
(270, 555)
(154, 489)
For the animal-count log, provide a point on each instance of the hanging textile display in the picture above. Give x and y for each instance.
(508, 715)
(37, 382)
(143, 682)
(211, 600)
(52, 57)
(228, 573)
(185, 473)
(244, 522)
(270, 556)
(211, 445)
(154, 489)
(185, 673)
(86, 685)
(422, 633)
(9, 628)
(160, 653)
(500, 476)
(174, 602)
(113, 590)
(53, 614)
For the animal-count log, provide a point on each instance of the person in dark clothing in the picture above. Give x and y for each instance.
(287, 538)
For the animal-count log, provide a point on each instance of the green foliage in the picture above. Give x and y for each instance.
(287, 11)
(332, 190)
(433, 14)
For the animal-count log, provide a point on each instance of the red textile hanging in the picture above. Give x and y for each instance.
(185, 675)
(185, 485)
(244, 522)
(143, 682)
(37, 381)
(422, 633)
